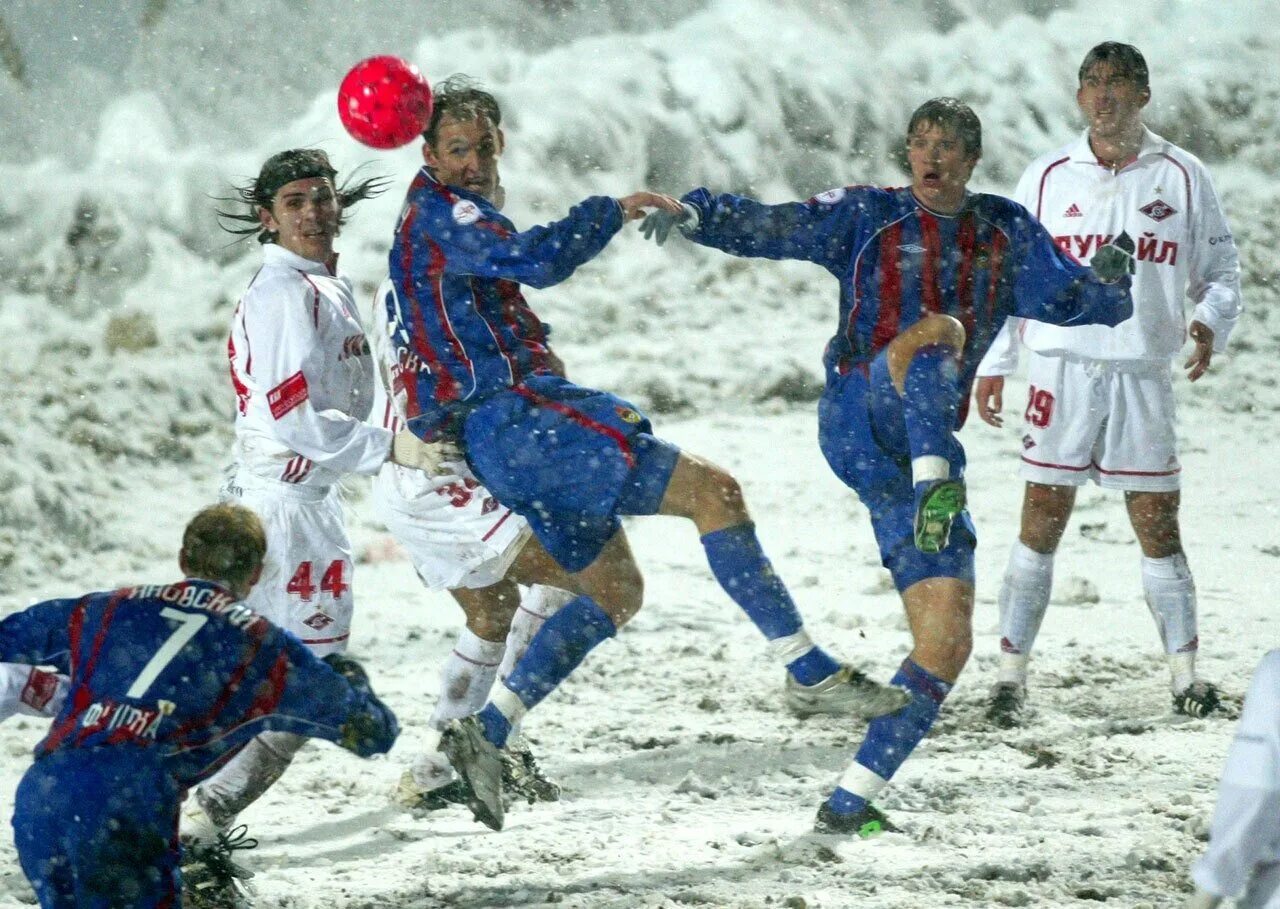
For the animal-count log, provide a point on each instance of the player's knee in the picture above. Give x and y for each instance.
(622, 598)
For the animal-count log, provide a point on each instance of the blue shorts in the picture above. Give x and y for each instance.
(570, 460)
(97, 828)
(863, 436)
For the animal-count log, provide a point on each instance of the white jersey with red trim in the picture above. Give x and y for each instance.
(303, 376)
(1166, 202)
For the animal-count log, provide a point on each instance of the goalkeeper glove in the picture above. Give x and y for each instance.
(657, 225)
(1115, 260)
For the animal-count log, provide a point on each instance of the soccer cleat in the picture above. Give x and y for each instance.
(211, 879)
(848, 691)
(865, 824)
(937, 505)
(1197, 699)
(1007, 705)
(410, 795)
(523, 778)
(479, 763)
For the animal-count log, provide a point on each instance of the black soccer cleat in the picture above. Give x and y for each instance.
(864, 824)
(211, 879)
(938, 504)
(1197, 699)
(523, 778)
(1007, 706)
(413, 797)
(479, 762)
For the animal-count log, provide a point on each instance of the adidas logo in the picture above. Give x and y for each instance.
(1073, 212)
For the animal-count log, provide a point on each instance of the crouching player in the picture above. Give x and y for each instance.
(928, 273)
(169, 682)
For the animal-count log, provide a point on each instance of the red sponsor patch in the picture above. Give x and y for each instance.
(287, 395)
(40, 688)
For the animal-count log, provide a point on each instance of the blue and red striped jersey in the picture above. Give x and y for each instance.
(461, 329)
(185, 672)
(897, 261)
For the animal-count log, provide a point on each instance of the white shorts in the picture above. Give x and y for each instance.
(306, 583)
(456, 534)
(1107, 421)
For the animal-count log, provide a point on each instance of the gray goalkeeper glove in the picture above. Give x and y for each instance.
(408, 450)
(657, 225)
(1115, 260)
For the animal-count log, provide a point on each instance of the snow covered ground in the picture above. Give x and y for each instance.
(685, 782)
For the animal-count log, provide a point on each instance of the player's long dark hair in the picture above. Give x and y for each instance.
(283, 168)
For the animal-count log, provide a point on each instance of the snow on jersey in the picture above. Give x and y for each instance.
(897, 262)
(462, 328)
(1165, 201)
(185, 671)
(303, 376)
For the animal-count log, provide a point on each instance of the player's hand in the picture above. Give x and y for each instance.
(657, 224)
(989, 396)
(1198, 363)
(408, 450)
(634, 205)
(1115, 260)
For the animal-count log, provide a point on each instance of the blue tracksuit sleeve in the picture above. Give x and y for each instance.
(1049, 286)
(39, 635)
(319, 702)
(814, 231)
(539, 257)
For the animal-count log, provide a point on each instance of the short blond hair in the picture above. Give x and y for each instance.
(224, 543)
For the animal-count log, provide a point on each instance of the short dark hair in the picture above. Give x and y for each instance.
(283, 168)
(1125, 59)
(952, 114)
(460, 98)
(224, 543)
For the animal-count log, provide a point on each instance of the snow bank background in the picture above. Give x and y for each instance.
(117, 289)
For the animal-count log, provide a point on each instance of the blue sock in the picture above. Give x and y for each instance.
(931, 400)
(744, 571)
(891, 739)
(555, 651)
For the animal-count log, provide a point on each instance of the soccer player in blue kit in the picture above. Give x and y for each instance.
(474, 367)
(168, 682)
(928, 273)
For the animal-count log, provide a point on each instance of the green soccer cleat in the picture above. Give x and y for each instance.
(938, 503)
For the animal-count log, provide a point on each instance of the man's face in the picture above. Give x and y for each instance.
(1111, 101)
(304, 216)
(466, 154)
(940, 166)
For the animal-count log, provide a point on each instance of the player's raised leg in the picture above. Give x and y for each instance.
(924, 364)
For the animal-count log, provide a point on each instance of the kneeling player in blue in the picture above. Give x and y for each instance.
(473, 366)
(168, 682)
(928, 274)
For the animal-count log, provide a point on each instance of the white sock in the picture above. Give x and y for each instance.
(1171, 597)
(536, 606)
(929, 467)
(862, 781)
(466, 678)
(431, 769)
(1024, 599)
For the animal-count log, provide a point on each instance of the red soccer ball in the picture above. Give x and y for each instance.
(384, 102)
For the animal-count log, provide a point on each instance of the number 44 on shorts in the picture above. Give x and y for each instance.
(331, 582)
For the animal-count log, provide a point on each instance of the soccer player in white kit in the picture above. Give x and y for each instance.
(1243, 858)
(303, 378)
(460, 539)
(1101, 403)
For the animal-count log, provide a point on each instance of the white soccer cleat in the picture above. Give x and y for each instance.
(848, 692)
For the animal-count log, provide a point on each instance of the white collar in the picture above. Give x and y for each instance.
(275, 254)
